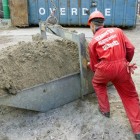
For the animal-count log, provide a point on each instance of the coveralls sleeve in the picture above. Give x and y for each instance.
(129, 49)
(93, 57)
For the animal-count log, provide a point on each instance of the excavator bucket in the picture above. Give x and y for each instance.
(53, 94)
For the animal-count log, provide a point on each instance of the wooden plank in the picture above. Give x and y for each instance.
(19, 12)
(1, 9)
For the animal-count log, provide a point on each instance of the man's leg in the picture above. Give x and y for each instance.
(129, 96)
(99, 84)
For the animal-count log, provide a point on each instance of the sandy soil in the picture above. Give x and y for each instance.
(79, 120)
(27, 64)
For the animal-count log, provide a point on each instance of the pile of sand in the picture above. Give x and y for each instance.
(27, 64)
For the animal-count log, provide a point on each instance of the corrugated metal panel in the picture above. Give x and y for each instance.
(19, 12)
(73, 12)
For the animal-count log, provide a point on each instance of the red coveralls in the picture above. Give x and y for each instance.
(109, 52)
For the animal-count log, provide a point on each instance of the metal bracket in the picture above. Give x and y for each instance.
(94, 4)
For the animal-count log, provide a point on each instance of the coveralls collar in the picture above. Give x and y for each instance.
(98, 29)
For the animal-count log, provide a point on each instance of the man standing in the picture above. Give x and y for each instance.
(110, 54)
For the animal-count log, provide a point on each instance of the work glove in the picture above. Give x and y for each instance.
(131, 67)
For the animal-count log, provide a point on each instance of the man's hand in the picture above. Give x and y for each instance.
(131, 67)
(88, 65)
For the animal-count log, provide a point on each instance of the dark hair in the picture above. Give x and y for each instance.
(98, 21)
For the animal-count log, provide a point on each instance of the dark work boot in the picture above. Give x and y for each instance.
(137, 136)
(106, 114)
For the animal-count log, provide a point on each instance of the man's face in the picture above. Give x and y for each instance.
(92, 27)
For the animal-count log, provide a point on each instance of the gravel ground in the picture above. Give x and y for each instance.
(79, 120)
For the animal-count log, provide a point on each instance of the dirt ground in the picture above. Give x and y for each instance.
(79, 120)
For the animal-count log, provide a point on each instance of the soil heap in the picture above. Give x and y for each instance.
(27, 64)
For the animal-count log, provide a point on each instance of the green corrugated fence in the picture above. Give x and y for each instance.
(6, 11)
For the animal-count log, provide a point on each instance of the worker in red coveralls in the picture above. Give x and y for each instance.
(110, 54)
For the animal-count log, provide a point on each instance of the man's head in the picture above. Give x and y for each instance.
(96, 19)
